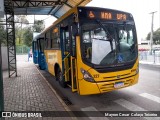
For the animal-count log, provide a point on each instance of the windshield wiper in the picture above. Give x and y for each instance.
(104, 28)
(108, 34)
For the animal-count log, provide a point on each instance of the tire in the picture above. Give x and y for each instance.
(60, 79)
(40, 67)
(56, 73)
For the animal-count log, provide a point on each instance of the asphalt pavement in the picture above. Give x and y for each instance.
(144, 96)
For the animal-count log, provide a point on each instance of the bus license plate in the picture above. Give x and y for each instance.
(118, 85)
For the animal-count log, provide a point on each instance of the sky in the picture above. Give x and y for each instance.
(140, 10)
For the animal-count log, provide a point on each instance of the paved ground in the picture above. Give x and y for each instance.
(30, 91)
(144, 96)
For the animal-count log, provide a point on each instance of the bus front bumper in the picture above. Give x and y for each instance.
(86, 88)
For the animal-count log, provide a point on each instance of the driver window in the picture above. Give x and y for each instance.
(86, 37)
(130, 37)
(123, 36)
(99, 33)
(87, 44)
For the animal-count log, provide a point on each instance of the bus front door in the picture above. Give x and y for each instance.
(68, 57)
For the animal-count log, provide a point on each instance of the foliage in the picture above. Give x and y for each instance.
(23, 31)
(19, 29)
(28, 36)
(38, 26)
(156, 36)
(22, 49)
(2, 34)
(19, 35)
(21, 19)
(24, 34)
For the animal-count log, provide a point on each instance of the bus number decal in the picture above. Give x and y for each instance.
(52, 57)
(96, 75)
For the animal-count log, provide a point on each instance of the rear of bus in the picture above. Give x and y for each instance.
(107, 50)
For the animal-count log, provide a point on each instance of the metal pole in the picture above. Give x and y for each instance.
(1, 84)
(151, 36)
(154, 56)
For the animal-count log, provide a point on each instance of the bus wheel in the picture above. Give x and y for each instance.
(40, 67)
(60, 79)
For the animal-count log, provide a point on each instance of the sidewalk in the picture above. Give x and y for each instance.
(30, 92)
(149, 63)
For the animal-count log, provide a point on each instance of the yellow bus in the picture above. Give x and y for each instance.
(92, 50)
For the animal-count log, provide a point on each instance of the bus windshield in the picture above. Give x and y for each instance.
(109, 43)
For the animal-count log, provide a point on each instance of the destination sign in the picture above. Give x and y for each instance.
(107, 15)
(104, 14)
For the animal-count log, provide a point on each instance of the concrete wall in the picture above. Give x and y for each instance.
(4, 58)
(148, 46)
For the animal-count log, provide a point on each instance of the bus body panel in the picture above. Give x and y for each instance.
(35, 57)
(53, 57)
(41, 60)
(110, 76)
(102, 83)
(87, 88)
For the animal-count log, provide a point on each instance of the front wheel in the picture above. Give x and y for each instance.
(60, 79)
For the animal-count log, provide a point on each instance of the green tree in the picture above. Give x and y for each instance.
(28, 36)
(19, 35)
(156, 36)
(22, 19)
(20, 23)
(2, 33)
(38, 26)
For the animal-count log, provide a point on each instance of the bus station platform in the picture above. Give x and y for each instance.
(30, 92)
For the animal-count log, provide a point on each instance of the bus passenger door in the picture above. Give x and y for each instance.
(68, 57)
(65, 55)
(73, 58)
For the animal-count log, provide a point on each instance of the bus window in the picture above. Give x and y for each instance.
(73, 41)
(65, 35)
(42, 45)
(48, 40)
(55, 39)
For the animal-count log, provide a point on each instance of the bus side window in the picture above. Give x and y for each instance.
(73, 45)
(42, 45)
(48, 37)
(65, 35)
(46, 42)
(67, 41)
(55, 39)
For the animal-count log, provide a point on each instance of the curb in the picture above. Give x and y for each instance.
(152, 64)
(58, 97)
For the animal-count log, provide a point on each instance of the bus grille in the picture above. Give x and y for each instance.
(110, 85)
(114, 77)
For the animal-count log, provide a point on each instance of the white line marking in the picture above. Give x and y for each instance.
(151, 97)
(91, 108)
(132, 107)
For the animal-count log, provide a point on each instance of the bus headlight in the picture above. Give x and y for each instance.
(87, 76)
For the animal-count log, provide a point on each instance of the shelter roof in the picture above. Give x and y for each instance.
(45, 7)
